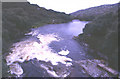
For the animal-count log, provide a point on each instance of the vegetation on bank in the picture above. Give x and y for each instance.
(18, 18)
(102, 34)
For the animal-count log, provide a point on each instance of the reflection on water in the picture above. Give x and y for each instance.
(76, 27)
(73, 28)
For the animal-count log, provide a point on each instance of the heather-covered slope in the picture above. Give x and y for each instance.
(18, 17)
(102, 35)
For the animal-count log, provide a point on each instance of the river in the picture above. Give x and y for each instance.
(49, 51)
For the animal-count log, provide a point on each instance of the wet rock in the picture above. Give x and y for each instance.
(77, 71)
(94, 68)
(62, 70)
(33, 70)
(15, 68)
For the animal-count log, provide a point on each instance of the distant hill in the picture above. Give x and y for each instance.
(101, 34)
(19, 17)
(93, 12)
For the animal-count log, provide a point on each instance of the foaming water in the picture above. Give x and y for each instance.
(27, 50)
(51, 43)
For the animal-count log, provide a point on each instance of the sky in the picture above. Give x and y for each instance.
(69, 6)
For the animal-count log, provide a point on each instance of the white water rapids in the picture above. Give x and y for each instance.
(27, 50)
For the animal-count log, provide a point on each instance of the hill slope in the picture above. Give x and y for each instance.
(19, 17)
(93, 12)
(102, 35)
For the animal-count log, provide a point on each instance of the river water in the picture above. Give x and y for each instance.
(49, 51)
(66, 32)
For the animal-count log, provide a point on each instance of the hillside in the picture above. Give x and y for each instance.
(102, 35)
(93, 12)
(19, 17)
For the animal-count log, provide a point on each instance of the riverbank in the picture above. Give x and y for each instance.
(101, 35)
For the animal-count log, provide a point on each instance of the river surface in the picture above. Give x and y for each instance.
(66, 32)
(49, 51)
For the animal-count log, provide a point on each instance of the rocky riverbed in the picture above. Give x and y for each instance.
(51, 52)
